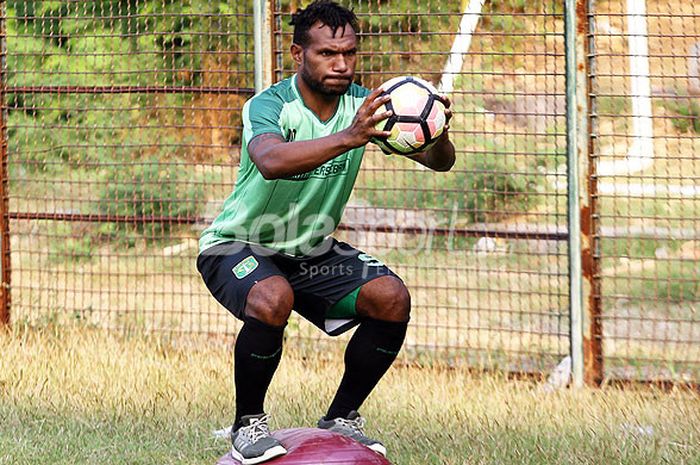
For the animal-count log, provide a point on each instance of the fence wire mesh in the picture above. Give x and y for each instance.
(123, 128)
(121, 118)
(482, 248)
(646, 128)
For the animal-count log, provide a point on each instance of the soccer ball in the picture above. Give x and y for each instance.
(418, 119)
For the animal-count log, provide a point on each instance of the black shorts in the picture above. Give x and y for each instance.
(319, 281)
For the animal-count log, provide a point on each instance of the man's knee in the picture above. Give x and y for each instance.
(385, 298)
(270, 301)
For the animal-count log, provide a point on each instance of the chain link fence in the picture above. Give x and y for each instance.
(122, 122)
(123, 119)
(481, 247)
(646, 129)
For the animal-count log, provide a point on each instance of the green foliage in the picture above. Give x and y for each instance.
(494, 188)
(687, 114)
(25, 61)
(150, 189)
(70, 242)
(613, 106)
(399, 40)
(525, 6)
(487, 187)
(30, 148)
(164, 34)
(507, 23)
(513, 6)
(44, 131)
(159, 42)
(42, 19)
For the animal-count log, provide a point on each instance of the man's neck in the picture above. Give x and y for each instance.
(323, 105)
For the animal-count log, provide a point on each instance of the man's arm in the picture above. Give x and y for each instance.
(276, 158)
(441, 156)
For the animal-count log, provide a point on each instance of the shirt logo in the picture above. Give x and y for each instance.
(291, 135)
(330, 169)
(245, 267)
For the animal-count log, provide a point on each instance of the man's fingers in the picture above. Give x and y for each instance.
(378, 102)
(446, 100)
(376, 93)
(448, 114)
(381, 116)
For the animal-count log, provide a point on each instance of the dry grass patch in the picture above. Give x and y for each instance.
(75, 395)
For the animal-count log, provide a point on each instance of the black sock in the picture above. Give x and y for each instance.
(369, 354)
(256, 356)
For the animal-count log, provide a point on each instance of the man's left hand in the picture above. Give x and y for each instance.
(441, 156)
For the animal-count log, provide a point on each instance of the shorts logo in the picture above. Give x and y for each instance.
(369, 260)
(245, 267)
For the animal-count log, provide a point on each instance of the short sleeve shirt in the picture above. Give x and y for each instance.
(292, 215)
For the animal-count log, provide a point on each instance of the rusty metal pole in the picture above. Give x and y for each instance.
(263, 34)
(574, 127)
(591, 324)
(273, 66)
(4, 187)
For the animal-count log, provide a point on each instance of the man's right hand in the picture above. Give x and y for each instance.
(276, 158)
(363, 127)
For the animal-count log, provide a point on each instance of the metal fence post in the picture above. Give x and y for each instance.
(590, 217)
(574, 128)
(4, 187)
(586, 331)
(262, 33)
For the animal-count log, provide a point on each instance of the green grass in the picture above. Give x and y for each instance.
(637, 248)
(669, 212)
(71, 395)
(666, 282)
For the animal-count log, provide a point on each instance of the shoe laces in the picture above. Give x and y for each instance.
(356, 424)
(258, 428)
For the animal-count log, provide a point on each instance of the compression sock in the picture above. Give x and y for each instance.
(369, 354)
(256, 356)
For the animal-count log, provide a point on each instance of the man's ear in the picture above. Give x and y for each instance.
(297, 53)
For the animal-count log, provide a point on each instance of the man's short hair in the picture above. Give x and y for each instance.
(325, 11)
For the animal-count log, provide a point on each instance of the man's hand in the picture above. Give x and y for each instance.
(441, 156)
(448, 112)
(363, 127)
(276, 158)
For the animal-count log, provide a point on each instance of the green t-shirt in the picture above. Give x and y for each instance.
(296, 214)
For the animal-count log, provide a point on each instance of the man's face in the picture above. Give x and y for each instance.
(327, 63)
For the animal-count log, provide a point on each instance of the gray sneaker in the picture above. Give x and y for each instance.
(352, 427)
(252, 442)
